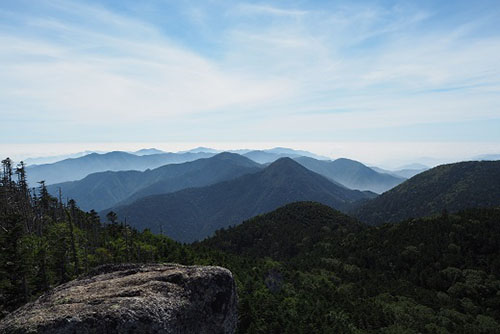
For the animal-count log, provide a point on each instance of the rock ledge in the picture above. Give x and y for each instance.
(133, 298)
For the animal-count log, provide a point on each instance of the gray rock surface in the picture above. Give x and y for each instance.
(134, 298)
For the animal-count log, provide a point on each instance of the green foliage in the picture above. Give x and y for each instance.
(331, 274)
(304, 268)
(44, 243)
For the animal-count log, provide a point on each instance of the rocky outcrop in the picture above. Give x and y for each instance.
(134, 299)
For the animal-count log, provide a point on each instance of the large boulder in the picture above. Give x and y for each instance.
(133, 298)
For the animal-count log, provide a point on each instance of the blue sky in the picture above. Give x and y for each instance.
(381, 79)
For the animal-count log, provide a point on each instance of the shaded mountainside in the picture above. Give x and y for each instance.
(449, 187)
(203, 172)
(78, 168)
(352, 174)
(192, 214)
(99, 191)
(307, 268)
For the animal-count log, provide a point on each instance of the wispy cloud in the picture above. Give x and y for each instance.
(123, 72)
(236, 70)
(264, 9)
(381, 64)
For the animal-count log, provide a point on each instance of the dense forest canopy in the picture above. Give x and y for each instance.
(304, 268)
(316, 269)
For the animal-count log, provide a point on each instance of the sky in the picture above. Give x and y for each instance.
(380, 81)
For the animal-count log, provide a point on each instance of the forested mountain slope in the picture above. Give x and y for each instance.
(451, 187)
(285, 232)
(307, 268)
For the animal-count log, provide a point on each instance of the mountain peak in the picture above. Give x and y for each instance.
(227, 155)
(115, 153)
(234, 157)
(285, 161)
(286, 165)
(148, 151)
(200, 149)
(347, 161)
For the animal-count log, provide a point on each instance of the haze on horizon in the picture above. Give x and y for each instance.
(375, 81)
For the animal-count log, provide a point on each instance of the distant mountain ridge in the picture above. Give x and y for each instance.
(102, 190)
(413, 166)
(351, 173)
(273, 154)
(201, 149)
(78, 168)
(192, 214)
(262, 156)
(284, 151)
(55, 158)
(105, 189)
(403, 173)
(148, 151)
(458, 186)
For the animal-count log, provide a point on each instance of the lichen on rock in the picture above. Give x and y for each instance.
(131, 298)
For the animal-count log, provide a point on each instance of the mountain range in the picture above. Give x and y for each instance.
(190, 200)
(264, 157)
(102, 190)
(273, 154)
(193, 214)
(78, 168)
(453, 187)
